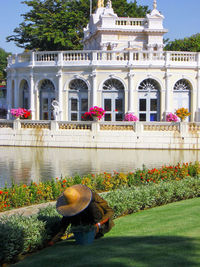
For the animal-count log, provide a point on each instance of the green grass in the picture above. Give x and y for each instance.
(162, 236)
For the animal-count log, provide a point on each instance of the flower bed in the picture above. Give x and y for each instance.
(24, 195)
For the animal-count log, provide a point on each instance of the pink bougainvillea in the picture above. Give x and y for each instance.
(130, 117)
(172, 117)
(21, 113)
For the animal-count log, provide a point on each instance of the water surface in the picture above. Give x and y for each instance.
(23, 164)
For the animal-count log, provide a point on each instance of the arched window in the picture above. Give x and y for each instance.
(47, 95)
(149, 100)
(78, 99)
(182, 95)
(113, 100)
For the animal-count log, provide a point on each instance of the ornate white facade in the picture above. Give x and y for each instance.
(122, 68)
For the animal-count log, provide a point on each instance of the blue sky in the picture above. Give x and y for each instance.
(182, 18)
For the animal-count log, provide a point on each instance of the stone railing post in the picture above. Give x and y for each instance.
(183, 129)
(139, 127)
(54, 126)
(167, 58)
(95, 129)
(16, 124)
(93, 58)
(32, 62)
(60, 59)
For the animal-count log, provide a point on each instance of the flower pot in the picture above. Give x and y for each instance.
(85, 238)
(95, 118)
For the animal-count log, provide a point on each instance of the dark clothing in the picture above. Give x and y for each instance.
(98, 211)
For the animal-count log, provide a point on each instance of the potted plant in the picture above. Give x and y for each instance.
(130, 117)
(171, 117)
(182, 113)
(84, 234)
(95, 113)
(21, 113)
(87, 116)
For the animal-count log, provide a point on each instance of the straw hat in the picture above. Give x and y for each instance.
(73, 200)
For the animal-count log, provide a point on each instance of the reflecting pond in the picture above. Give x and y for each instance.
(23, 164)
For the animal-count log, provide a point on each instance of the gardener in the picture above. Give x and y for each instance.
(81, 206)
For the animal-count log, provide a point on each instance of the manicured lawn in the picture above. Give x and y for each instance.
(162, 236)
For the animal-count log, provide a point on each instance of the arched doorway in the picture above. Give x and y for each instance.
(47, 95)
(113, 100)
(182, 95)
(24, 94)
(78, 99)
(149, 100)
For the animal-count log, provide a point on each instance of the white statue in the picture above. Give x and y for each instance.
(56, 110)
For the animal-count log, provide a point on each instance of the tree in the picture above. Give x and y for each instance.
(191, 43)
(58, 24)
(3, 64)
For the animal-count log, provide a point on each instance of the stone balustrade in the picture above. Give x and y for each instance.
(109, 126)
(133, 22)
(89, 134)
(101, 58)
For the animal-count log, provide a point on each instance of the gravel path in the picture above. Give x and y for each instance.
(27, 211)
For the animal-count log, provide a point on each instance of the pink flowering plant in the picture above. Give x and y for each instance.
(130, 117)
(172, 117)
(21, 113)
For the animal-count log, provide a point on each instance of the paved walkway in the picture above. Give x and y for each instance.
(29, 210)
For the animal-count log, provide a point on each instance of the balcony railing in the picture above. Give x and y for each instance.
(133, 22)
(103, 126)
(86, 58)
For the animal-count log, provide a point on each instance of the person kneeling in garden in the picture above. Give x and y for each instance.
(81, 206)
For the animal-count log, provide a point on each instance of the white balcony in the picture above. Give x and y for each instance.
(105, 58)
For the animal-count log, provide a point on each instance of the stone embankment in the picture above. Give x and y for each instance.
(27, 211)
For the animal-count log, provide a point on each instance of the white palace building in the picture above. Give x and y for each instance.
(122, 68)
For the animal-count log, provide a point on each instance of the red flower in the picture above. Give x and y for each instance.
(1, 192)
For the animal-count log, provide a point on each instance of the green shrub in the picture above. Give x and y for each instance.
(133, 199)
(51, 217)
(19, 235)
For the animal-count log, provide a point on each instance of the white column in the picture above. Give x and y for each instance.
(16, 92)
(60, 93)
(197, 115)
(94, 88)
(130, 93)
(167, 94)
(32, 96)
(9, 95)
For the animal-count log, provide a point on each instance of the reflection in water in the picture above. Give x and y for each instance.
(23, 164)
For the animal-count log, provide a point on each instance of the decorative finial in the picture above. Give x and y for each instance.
(155, 4)
(100, 3)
